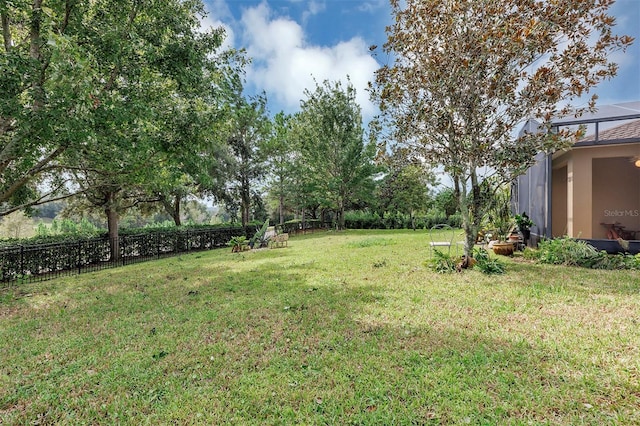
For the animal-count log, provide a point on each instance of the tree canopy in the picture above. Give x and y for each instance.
(406, 186)
(466, 73)
(338, 164)
(45, 98)
(249, 129)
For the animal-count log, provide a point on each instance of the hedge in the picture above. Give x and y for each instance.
(397, 220)
(41, 258)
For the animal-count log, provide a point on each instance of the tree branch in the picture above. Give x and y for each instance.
(42, 200)
(39, 168)
(67, 14)
(6, 32)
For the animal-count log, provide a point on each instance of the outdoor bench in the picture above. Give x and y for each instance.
(279, 240)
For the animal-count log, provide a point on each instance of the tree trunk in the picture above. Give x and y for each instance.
(245, 214)
(281, 209)
(6, 32)
(470, 211)
(172, 207)
(176, 211)
(465, 212)
(112, 225)
(341, 215)
(245, 201)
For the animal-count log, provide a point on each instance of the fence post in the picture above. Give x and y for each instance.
(123, 249)
(22, 260)
(157, 235)
(79, 256)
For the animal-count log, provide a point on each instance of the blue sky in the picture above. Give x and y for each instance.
(291, 42)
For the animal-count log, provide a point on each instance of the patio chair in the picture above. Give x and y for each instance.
(442, 235)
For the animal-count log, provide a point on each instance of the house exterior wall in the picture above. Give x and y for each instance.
(579, 194)
(533, 197)
(602, 186)
(559, 202)
(616, 194)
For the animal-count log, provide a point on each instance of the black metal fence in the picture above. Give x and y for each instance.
(302, 227)
(28, 263)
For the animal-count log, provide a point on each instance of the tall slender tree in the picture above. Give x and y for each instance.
(249, 129)
(337, 163)
(281, 151)
(406, 186)
(466, 73)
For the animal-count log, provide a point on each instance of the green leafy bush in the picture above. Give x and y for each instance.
(441, 262)
(486, 264)
(362, 220)
(83, 228)
(238, 243)
(570, 252)
(297, 225)
(399, 220)
(618, 261)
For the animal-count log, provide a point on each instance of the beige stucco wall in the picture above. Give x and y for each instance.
(602, 185)
(559, 201)
(616, 194)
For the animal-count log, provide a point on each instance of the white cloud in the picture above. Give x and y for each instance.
(372, 6)
(217, 11)
(314, 8)
(284, 65)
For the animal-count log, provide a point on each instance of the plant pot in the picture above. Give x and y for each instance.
(503, 248)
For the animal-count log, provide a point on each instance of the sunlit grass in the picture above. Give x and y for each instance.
(338, 328)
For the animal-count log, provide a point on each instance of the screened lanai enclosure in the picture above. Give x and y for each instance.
(591, 191)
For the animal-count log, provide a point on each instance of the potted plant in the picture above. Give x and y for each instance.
(500, 218)
(524, 224)
(238, 243)
(503, 227)
(260, 238)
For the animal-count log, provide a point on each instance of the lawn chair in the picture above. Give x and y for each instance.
(442, 235)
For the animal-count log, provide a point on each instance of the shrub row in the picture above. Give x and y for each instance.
(296, 225)
(398, 220)
(50, 256)
(570, 252)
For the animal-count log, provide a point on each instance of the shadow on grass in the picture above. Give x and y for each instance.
(371, 368)
(266, 346)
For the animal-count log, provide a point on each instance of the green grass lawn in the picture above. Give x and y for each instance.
(338, 328)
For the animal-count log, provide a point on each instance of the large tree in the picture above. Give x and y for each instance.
(466, 73)
(200, 159)
(150, 66)
(45, 98)
(406, 186)
(249, 129)
(92, 89)
(337, 164)
(280, 150)
(195, 133)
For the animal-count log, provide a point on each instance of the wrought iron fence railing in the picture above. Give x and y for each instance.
(28, 263)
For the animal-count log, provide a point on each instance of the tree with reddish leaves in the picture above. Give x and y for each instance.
(465, 74)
